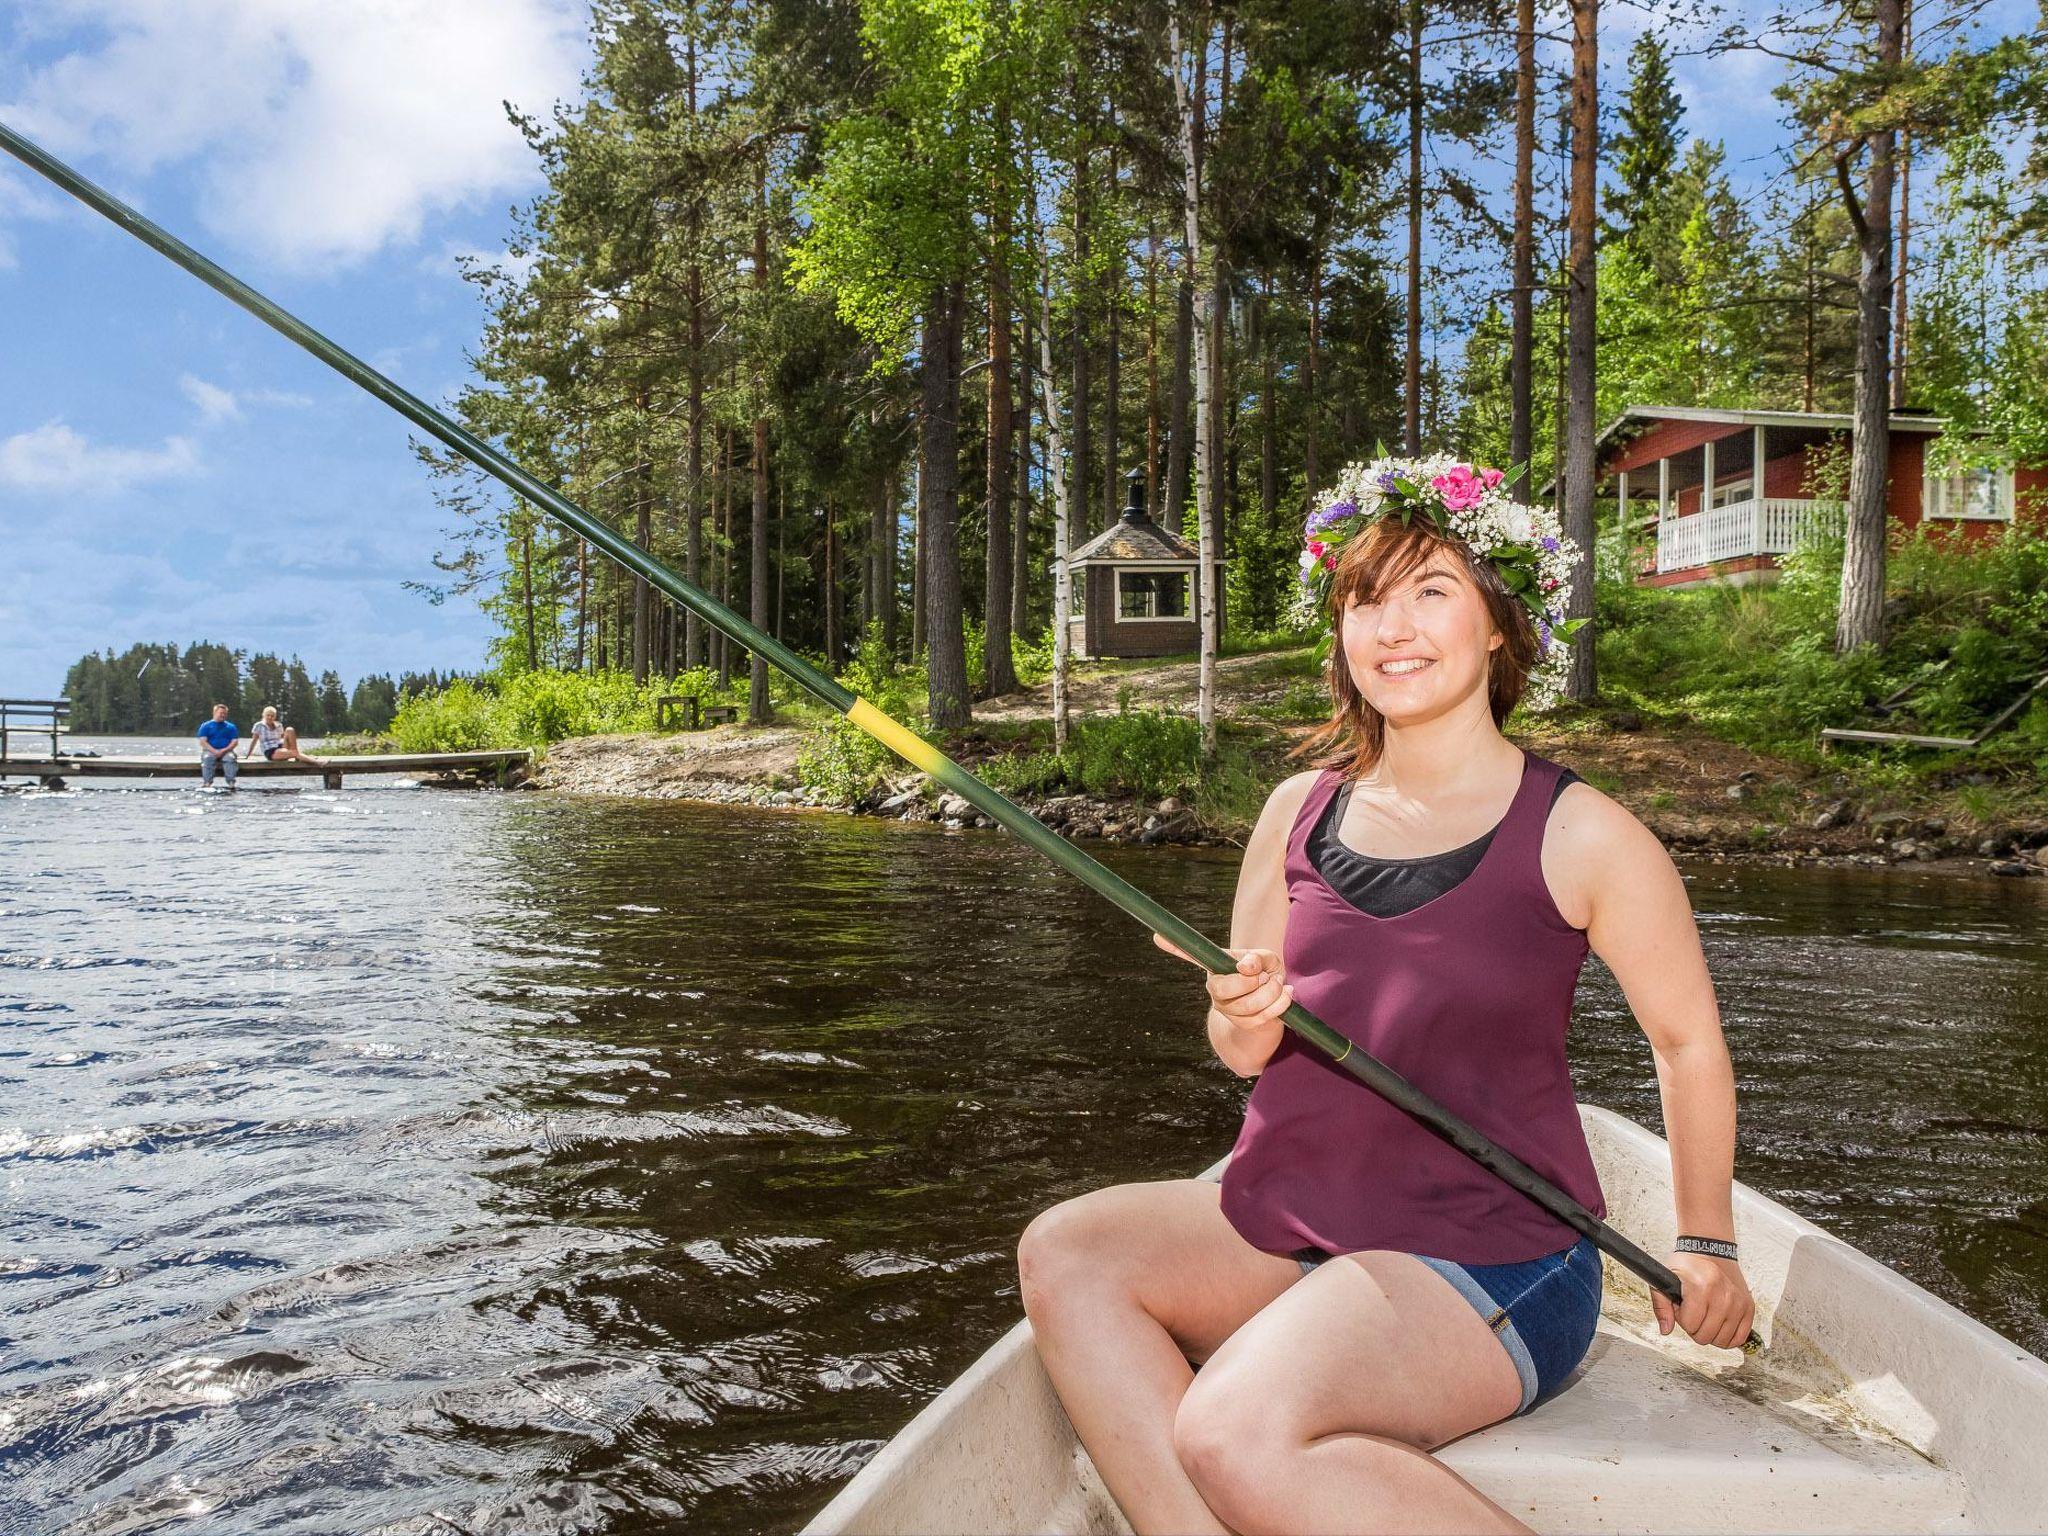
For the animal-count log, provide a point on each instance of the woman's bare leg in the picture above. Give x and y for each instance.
(291, 747)
(1123, 1286)
(1319, 1413)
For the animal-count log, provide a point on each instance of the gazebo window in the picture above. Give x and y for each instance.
(1984, 493)
(1152, 594)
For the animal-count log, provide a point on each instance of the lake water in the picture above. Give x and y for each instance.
(411, 1160)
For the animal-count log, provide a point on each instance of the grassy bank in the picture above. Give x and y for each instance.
(1749, 667)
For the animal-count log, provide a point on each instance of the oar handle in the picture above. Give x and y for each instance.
(907, 743)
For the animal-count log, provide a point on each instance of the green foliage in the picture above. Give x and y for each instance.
(843, 760)
(1756, 664)
(533, 709)
(158, 689)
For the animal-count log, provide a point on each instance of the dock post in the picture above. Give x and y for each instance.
(330, 779)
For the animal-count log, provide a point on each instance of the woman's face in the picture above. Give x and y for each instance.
(1423, 647)
(269, 712)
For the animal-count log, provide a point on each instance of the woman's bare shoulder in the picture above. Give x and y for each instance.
(1282, 806)
(1591, 841)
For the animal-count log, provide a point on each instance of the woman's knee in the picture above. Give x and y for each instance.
(1233, 1443)
(1066, 1249)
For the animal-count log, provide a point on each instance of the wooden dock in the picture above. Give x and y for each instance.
(53, 771)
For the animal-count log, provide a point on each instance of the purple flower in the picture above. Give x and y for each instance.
(1386, 481)
(1543, 629)
(1331, 515)
(1550, 543)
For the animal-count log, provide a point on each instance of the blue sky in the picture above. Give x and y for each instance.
(170, 470)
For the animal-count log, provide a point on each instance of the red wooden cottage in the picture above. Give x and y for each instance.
(1718, 495)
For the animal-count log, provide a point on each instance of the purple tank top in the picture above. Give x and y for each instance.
(1468, 997)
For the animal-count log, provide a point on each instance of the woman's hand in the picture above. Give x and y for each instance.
(1253, 996)
(1718, 1308)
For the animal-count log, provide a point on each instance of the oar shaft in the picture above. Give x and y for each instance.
(913, 748)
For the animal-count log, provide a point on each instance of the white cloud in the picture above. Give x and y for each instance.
(324, 131)
(217, 404)
(54, 458)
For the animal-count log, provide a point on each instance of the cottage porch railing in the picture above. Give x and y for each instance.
(1769, 525)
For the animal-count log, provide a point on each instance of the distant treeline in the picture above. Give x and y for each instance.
(160, 690)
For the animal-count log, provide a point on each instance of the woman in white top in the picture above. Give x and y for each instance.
(276, 740)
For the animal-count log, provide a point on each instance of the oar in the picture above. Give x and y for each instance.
(920, 753)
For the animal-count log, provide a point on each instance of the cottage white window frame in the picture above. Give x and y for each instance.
(1733, 492)
(1188, 594)
(1940, 495)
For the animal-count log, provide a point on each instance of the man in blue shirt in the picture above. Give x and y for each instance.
(217, 747)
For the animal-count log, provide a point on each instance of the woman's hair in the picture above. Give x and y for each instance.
(1367, 565)
(270, 709)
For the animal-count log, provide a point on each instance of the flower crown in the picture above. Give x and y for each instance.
(1527, 545)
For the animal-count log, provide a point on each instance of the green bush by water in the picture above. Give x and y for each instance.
(1967, 628)
(534, 709)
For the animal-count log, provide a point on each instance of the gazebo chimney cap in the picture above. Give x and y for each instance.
(1134, 498)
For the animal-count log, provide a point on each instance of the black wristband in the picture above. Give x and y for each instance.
(1715, 1247)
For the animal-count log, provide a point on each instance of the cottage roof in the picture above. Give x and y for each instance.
(1634, 420)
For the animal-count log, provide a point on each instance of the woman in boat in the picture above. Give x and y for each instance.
(276, 740)
(1356, 1291)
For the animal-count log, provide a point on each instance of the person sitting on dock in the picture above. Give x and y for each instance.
(276, 740)
(217, 747)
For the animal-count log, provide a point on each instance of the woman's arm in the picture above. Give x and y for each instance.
(1639, 921)
(1244, 1009)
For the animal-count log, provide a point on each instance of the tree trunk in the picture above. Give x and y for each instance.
(1521, 345)
(1179, 408)
(526, 595)
(917, 542)
(1112, 370)
(1189, 95)
(834, 642)
(999, 667)
(693, 532)
(582, 596)
(1411, 420)
(1311, 421)
(945, 636)
(781, 553)
(1020, 522)
(643, 532)
(1860, 620)
(1056, 474)
(1152, 423)
(1269, 428)
(724, 645)
(887, 523)
(1900, 315)
(1577, 483)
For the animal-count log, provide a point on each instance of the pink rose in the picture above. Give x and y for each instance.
(1460, 488)
(1316, 546)
(1492, 477)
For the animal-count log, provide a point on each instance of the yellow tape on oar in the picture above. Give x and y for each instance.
(898, 738)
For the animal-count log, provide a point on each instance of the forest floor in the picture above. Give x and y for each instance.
(1701, 795)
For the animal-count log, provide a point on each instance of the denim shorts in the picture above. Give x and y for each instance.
(1542, 1310)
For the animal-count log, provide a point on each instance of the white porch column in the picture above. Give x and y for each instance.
(1706, 474)
(1756, 462)
(1621, 496)
(1663, 489)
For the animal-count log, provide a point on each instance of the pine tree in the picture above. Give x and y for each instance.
(1645, 152)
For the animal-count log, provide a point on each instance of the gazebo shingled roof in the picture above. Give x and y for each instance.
(1134, 539)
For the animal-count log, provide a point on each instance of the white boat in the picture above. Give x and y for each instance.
(1873, 1406)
